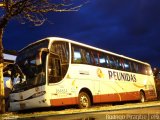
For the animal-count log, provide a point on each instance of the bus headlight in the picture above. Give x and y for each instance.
(38, 94)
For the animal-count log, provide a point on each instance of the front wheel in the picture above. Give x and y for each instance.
(84, 100)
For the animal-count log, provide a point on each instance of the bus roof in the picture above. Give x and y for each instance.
(85, 45)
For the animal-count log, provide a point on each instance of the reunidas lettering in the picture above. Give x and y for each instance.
(121, 76)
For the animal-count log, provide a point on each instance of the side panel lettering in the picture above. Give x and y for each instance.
(122, 76)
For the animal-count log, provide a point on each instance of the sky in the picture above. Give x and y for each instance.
(127, 27)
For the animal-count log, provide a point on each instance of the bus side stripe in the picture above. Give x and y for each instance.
(127, 96)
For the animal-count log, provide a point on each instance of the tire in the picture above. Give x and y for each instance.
(84, 100)
(142, 97)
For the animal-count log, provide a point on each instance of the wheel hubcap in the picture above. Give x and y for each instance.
(84, 101)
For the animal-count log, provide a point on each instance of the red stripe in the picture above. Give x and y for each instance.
(64, 101)
(127, 96)
(116, 97)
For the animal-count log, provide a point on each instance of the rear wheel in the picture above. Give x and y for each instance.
(84, 100)
(142, 97)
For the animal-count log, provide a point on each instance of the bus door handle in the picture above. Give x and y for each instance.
(84, 72)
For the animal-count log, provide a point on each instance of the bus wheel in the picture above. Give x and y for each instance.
(142, 97)
(84, 100)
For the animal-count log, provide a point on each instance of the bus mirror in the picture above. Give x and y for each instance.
(39, 58)
(46, 50)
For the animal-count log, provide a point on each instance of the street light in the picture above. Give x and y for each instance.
(5, 3)
(2, 4)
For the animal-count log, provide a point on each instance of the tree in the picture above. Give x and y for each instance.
(33, 11)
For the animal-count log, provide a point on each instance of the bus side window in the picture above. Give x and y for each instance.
(149, 70)
(107, 61)
(76, 52)
(122, 64)
(92, 58)
(140, 69)
(119, 63)
(62, 50)
(83, 54)
(88, 58)
(96, 58)
(112, 62)
(102, 60)
(133, 67)
(127, 65)
(144, 69)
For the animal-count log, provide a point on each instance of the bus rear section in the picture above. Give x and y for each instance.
(109, 77)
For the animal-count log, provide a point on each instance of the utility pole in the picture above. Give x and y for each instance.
(2, 93)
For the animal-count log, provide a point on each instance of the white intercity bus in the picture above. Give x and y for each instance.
(60, 72)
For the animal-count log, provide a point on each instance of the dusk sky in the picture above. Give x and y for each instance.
(127, 27)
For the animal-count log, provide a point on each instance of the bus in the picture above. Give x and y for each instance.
(59, 72)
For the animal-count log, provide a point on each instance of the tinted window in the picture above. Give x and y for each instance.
(120, 64)
(102, 60)
(127, 66)
(61, 50)
(96, 58)
(89, 56)
(112, 62)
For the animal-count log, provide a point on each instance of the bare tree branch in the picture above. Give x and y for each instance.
(33, 10)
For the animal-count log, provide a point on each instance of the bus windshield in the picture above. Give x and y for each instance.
(27, 62)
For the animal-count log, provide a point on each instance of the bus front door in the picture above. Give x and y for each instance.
(54, 69)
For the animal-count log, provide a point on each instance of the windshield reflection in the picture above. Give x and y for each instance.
(34, 74)
(28, 72)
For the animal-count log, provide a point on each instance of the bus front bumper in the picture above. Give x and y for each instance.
(37, 102)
